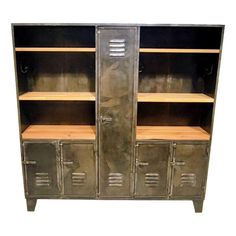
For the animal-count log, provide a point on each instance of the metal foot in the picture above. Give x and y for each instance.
(31, 203)
(198, 205)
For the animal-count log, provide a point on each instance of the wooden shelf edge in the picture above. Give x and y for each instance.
(53, 49)
(57, 96)
(175, 97)
(59, 132)
(177, 50)
(87, 132)
(184, 133)
(142, 97)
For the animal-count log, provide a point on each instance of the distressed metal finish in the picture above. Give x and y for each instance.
(62, 72)
(189, 169)
(72, 170)
(152, 165)
(78, 166)
(41, 164)
(116, 72)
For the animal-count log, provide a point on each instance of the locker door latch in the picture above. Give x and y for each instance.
(105, 120)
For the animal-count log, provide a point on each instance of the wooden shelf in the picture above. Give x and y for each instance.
(177, 50)
(175, 97)
(53, 49)
(78, 132)
(171, 133)
(57, 96)
(142, 97)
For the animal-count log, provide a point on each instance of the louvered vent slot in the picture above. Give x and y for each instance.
(42, 180)
(115, 180)
(152, 180)
(188, 179)
(117, 48)
(78, 179)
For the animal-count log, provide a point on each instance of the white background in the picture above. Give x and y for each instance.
(81, 217)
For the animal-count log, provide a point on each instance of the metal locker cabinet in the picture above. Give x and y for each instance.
(189, 169)
(42, 168)
(152, 169)
(78, 167)
(117, 66)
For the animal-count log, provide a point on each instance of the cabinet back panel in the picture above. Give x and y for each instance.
(55, 113)
(177, 73)
(180, 37)
(174, 114)
(57, 36)
(58, 72)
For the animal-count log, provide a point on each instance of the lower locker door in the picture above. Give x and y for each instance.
(152, 169)
(79, 170)
(190, 163)
(41, 165)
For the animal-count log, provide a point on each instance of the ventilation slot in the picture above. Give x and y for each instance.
(188, 180)
(152, 180)
(117, 48)
(42, 180)
(78, 179)
(115, 180)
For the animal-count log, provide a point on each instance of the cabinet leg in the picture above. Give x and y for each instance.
(198, 205)
(31, 203)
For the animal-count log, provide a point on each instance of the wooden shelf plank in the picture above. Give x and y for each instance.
(175, 97)
(177, 50)
(172, 133)
(78, 132)
(53, 49)
(57, 96)
(142, 97)
(86, 132)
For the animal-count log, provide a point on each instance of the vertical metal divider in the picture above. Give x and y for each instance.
(62, 168)
(97, 112)
(135, 113)
(171, 168)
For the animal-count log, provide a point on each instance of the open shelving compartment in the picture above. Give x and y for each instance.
(177, 81)
(56, 80)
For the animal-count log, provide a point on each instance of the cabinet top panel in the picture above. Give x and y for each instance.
(117, 24)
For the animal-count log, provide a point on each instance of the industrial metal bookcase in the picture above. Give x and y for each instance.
(116, 111)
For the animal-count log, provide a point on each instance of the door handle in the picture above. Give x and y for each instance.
(68, 162)
(177, 163)
(105, 120)
(141, 163)
(29, 162)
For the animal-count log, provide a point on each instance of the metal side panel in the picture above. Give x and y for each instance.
(152, 168)
(117, 61)
(79, 172)
(42, 166)
(189, 169)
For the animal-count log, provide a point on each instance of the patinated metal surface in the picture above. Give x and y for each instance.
(41, 164)
(78, 165)
(152, 167)
(64, 72)
(45, 173)
(116, 109)
(189, 169)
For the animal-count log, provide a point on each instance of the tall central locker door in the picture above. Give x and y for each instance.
(117, 68)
